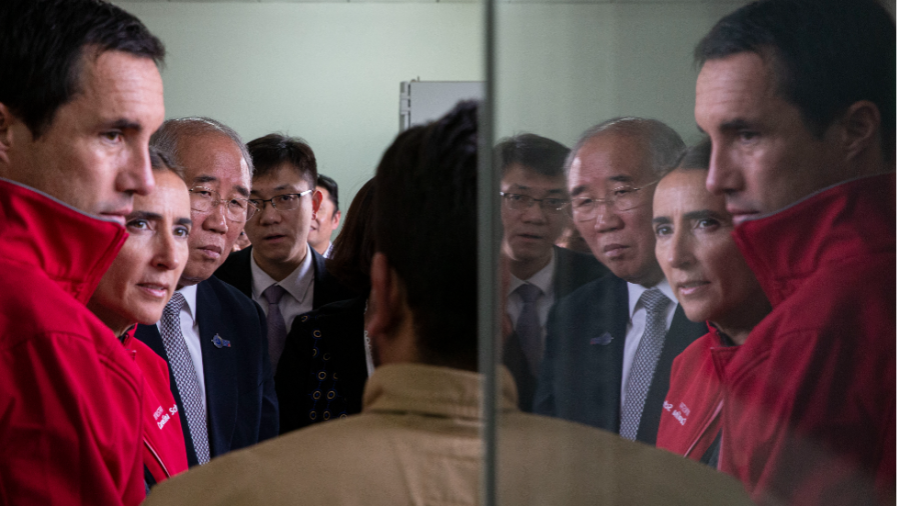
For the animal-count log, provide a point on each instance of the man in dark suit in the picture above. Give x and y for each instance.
(610, 343)
(280, 270)
(213, 336)
(534, 213)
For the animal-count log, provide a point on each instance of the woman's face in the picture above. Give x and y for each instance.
(143, 276)
(698, 255)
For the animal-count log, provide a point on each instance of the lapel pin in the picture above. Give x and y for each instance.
(221, 343)
(603, 340)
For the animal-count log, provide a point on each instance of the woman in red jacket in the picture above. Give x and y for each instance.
(135, 289)
(713, 284)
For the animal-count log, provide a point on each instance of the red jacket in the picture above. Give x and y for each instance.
(70, 401)
(810, 411)
(691, 417)
(164, 448)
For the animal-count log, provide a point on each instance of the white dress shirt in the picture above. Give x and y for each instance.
(542, 279)
(298, 286)
(190, 329)
(635, 328)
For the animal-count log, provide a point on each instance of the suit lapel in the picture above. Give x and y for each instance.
(606, 359)
(219, 371)
(320, 285)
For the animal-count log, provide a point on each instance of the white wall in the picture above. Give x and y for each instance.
(327, 72)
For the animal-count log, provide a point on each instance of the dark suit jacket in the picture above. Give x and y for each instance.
(571, 271)
(241, 405)
(581, 375)
(335, 332)
(326, 288)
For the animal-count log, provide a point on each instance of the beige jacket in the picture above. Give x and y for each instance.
(417, 442)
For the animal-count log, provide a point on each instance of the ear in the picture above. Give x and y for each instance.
(6, 133)
(316, 202)
(382, 298)
(860, 128)
(335, 219)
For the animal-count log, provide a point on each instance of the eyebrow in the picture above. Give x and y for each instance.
(523, 187)
(124, 124)
(735, 124)
(212, 179)
(705, 213)
(662, 220)
(144, 215)
(184, 221)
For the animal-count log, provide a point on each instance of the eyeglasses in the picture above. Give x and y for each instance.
(517, 202)
(285, 202)
(623, 198)
(237, 209)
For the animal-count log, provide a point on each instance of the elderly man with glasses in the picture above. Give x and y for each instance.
(212, 335)
(280, 271)
(535, 210)
(610, 344)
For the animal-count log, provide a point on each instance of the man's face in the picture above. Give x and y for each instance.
(529, 234)
(324, 222)
(94, 156)
(279, 235)
(214, 162)
(622, 240)
(764, 158)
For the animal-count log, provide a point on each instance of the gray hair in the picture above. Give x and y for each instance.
(665, 145)
(167, 139)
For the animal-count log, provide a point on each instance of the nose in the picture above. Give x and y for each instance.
(534, 213)
(215, 221)
(267, 214)
(722, 176)
(167, 256)
(608, 219)
(679, 252)
(136, 175)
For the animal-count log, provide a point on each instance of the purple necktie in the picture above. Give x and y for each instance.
(275, 322)
(528, 326)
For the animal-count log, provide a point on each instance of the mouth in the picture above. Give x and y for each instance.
(691, 287)
(211, 251)
(274, 237)
(117, 216)
(530, 237)
(614, 250)
(154, 289)
(741, 215)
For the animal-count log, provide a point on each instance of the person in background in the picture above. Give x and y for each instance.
(799, 99)
(280, 271)
(419, 437)
(80, 95)
(242, 242)
(610, 344)
(326, 220)
(135, 289)
(335, 333)
(211, 335)
(535, 210)
(695, 249)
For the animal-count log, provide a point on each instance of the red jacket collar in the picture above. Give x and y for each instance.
(73, 249)
(853, 219)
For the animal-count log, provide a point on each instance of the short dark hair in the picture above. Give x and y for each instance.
(425, 224)
(540, 154)
(351, 257)
(45, 43)
(825, 54)
(270, 151)
(161, 161)
(697, 156)
(664, 145)
(332, 187)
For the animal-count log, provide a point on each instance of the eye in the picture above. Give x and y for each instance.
(181, 231)
(202, 192)
(624, 190)
(138, 224)
(112, 136)
(237, 204)
(256, 202)
(555, 203)
(663, 230)
(584, 203)
(708, 224)
(515, 197)
(287, 198)
(747, 135)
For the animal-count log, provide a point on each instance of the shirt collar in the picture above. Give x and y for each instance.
(295, 283)
(635, 291)
(542, 279)
(190, 297)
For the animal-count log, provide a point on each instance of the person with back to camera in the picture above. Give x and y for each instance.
(713, 284)
(135, 289)
(419, 439)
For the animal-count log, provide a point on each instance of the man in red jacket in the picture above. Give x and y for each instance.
(79, 97)
(798, 99)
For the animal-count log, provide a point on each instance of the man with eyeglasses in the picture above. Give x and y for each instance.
(610, 344)
(212, 335)
(535, 210)
(280, 270)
